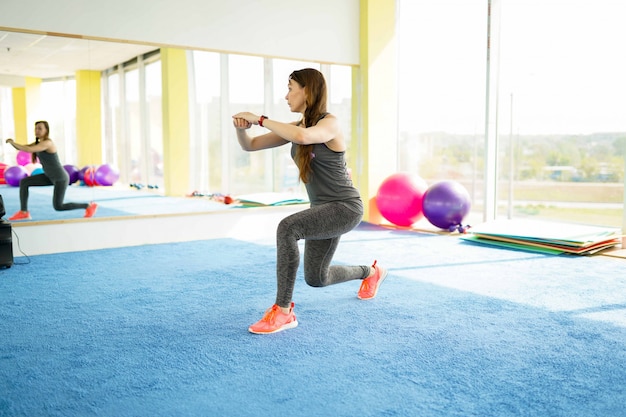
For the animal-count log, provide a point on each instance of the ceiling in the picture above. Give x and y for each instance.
(45, 56)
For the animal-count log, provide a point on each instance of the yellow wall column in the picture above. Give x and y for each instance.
(33, 106)
(26, 109)
(375, 98)
(88, 118)
(19, 114)
(175, 121)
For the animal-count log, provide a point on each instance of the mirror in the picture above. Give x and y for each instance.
(25, 57)
(132, 117)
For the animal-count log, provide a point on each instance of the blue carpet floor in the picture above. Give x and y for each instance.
(456, 330)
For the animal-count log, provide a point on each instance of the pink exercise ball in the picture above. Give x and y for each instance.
(3, 168)
(23, 158)
(400, 197)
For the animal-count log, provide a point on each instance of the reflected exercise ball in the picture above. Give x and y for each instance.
(106, 174)
(3, 168)
(13, 175)
(73, 172)
(89, 176)
(23, 158)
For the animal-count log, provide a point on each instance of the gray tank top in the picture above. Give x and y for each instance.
(329, 180)
(52, 166)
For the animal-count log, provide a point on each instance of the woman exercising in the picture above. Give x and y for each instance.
(53, 174)
(318, 148)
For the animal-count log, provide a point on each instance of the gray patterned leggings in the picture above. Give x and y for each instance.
(321, 227)
(58, 195)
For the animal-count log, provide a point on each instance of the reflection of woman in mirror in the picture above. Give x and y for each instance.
(53, 174)
(318, 149)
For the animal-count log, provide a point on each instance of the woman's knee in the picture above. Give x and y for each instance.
(314, 280)
(286, 229)
(316, 277)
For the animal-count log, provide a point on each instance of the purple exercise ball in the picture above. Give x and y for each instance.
(106, 174)
(13, 175)
(446, 203)
(73, 172)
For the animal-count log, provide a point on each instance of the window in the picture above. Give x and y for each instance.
(339, 81)
(113, 121)
(7, 127)
(131, 139)
(441, 80)
(563, 130)
(246, 172)
(133, 132)
(222, 85)
(205, 160)
(153, 123)
(58, 104)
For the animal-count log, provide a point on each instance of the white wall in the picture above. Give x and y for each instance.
(319, 30)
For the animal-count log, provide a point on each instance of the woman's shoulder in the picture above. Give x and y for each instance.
(50, 145)
(326, 118)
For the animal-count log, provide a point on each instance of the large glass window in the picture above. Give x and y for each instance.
(133, 121)
(205, 160)
(220, 85)
(340, 85)
(7, 126)
(154, 125)
(560, 84)
(132, 139)
(442, 67)
(58, 103)
(562, 110)
(247, 171)
(260, 86)
(112, 125)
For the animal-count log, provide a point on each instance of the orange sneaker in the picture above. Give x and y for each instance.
(274, 320)
(20, 215)
(91, 209)
(370, 285)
